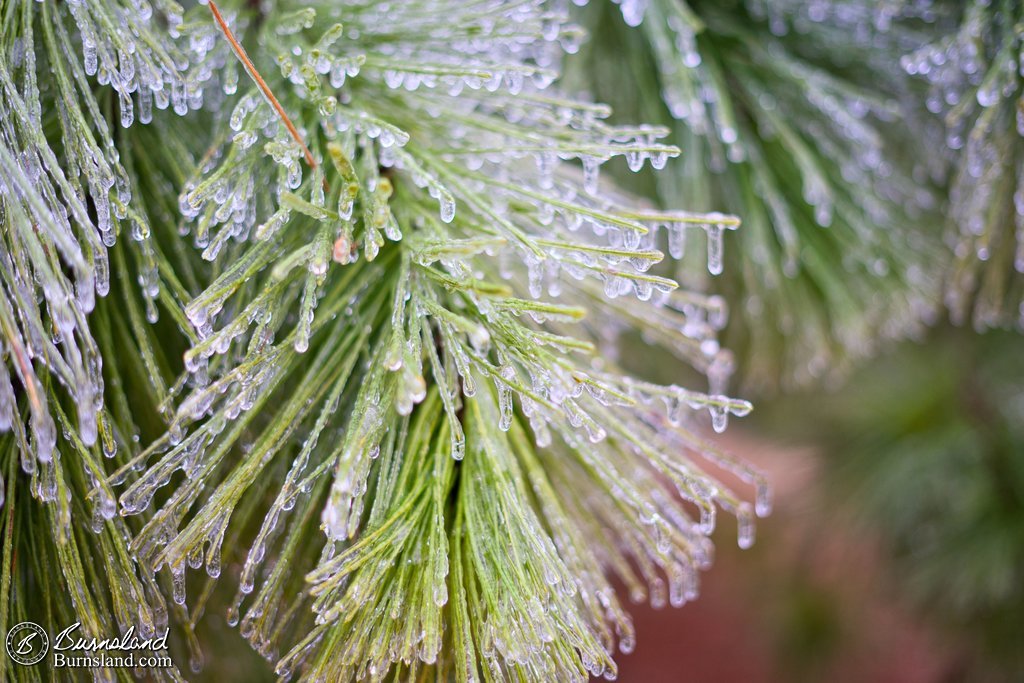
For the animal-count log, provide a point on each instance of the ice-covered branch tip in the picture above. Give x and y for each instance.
(974, 83)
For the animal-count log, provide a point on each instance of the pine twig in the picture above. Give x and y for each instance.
(250, 69)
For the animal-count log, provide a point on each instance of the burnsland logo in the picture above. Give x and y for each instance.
(27, 644)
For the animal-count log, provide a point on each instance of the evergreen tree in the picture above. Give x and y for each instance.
(875, 103)
(845, 135)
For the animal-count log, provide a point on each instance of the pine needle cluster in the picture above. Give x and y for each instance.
(974, 74)
(796, 116)
(326, 298)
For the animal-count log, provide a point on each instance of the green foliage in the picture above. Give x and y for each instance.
(84, 276)
(826, 126)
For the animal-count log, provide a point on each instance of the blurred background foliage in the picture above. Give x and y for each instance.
(920, 480)
(928, 444)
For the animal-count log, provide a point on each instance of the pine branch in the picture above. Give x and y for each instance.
(77, 227)
(414, 456)
(976, 88)
(791, 120)
(398, 412)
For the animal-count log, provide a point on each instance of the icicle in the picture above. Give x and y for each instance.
(447, 206)
(306, 315)
(719, 414)
(535, 275)
(590, 175)
(546, 162)
(127, 110)
(763, 501)
(714, 234)
(676, 240)
(178, 576)
(505, 398)
(458, 445)
(707, 519)
(745, 522)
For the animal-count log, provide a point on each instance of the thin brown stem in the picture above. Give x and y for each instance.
(21, 358)
(250, 68)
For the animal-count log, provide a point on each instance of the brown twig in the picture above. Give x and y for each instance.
(21, 358)
(250, 68)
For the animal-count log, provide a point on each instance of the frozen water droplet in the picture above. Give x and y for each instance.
(590, 175)
(447, 207)
(763, 501)
(178, 579)
(745, 526)
(719, 415)
(714, 234)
